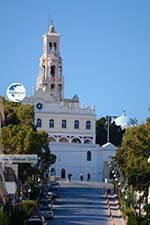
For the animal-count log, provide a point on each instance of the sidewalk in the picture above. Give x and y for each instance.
(114, 210)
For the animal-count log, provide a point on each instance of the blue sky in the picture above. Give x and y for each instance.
(105, 46)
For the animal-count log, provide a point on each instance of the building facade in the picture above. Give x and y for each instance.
(71, 128)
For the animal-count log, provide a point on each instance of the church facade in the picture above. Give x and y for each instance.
(71, 128)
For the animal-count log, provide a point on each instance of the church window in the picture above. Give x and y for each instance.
(39, 123)
(50, 47)
(51, 123)
(76, 124)
(52, 72)
(53, 172)
(76, 140)
(60, 71)
(52, 86)
(89, 156)
(64, 124)
(87, 141)
(88, 125)
(43, 68)
(59, 87)
(63, 173)
(55, 46)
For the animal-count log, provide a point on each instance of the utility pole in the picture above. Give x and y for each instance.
(108, 120)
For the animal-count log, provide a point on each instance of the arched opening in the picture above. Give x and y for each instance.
(55, 46)
(45, 87)
(50, 47)
(52, 139)
(60, 71)
(52, 87)
(76, 140)
(63, 139)
(64, 124)
(89, 156)
(63, 173)
(39, 123)
(53, 172)
(52, 72)
(76, 124)
(51, 123)
(43, 69)
(87, 141)
(59, 89)
(88, 125)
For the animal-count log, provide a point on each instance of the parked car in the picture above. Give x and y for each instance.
(46, 212)
(55, 191)
(36, 221)
(47, 203)
(48, 199)
(41, 218)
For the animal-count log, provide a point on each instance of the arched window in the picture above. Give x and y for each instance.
(88, 125)
(52, 86)
(89, 156)
(60, 71)
(55, 46)
(63, 173)
(50, 47)
(51, 123)
(76, 124)
(39, 123)
(88, 141)
(64, 124)
(52, 72)
(53, 172)
(76, 140)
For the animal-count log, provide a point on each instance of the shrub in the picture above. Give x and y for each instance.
(4, 219)
(131, 217)
(29, 206)
(20, 213)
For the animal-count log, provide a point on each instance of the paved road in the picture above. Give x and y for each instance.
(81, 204)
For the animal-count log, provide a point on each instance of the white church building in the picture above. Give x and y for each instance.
(71, 128)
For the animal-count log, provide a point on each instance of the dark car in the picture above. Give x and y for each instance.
(39, 217)
(46, 212)
(35, 222)
(55, 191)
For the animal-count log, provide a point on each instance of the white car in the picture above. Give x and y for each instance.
(46, 212)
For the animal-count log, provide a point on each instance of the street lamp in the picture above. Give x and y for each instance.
(29, 191)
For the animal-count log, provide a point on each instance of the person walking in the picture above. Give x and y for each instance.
(88, 176)
(69, 176)
(81, 176)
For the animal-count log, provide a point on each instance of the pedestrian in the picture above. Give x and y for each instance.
(88, 176)
(81, 176)
(69, 176)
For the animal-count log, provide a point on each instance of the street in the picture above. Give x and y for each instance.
(81, 203)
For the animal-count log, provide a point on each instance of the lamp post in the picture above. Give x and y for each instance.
(29, 191)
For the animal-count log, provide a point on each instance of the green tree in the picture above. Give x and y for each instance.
(133, 155)
(19, 136)
(115, 132)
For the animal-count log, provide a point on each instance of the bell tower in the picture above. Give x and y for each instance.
(50, 78)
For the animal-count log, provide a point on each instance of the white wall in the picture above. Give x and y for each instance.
(73, 158)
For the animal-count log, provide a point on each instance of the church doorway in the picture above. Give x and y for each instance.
(63, 173)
